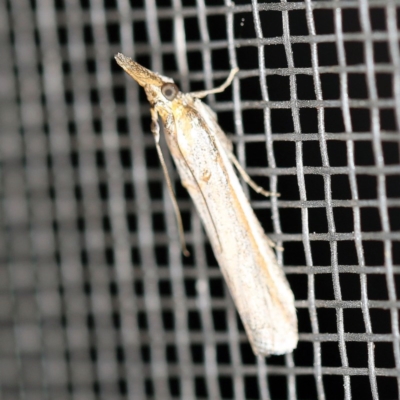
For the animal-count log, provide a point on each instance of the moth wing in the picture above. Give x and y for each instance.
(212, 121)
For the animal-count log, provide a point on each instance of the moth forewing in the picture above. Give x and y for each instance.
(202, 154)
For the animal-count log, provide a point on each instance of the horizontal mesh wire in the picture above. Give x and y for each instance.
(96, 300)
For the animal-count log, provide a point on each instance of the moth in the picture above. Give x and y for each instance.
(205, 161)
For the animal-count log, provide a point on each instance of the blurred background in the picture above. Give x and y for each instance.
(96, 300)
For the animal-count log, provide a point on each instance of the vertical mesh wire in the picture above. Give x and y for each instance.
(96, 300)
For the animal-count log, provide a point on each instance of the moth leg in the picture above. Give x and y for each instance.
(272, 244)
(228, 146)
(248, 180)
(155, 130)
(203, 93)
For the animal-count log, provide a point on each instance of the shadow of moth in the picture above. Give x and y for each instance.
(205, 162)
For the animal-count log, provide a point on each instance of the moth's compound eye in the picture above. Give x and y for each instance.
(169, 90)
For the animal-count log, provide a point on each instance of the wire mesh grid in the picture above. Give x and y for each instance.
(96, 300)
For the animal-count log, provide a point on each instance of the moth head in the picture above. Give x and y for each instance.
(169, 90)
(140, 74)
(152, 82)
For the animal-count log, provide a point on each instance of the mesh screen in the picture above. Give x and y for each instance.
(96, 300)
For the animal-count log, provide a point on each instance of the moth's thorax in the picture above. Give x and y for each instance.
(177, 108)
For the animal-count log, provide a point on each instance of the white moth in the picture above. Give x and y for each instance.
(204, 159)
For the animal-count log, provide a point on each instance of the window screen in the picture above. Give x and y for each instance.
(96, 299)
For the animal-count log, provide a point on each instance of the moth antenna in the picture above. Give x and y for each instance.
(203, 93)
(155, 129)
